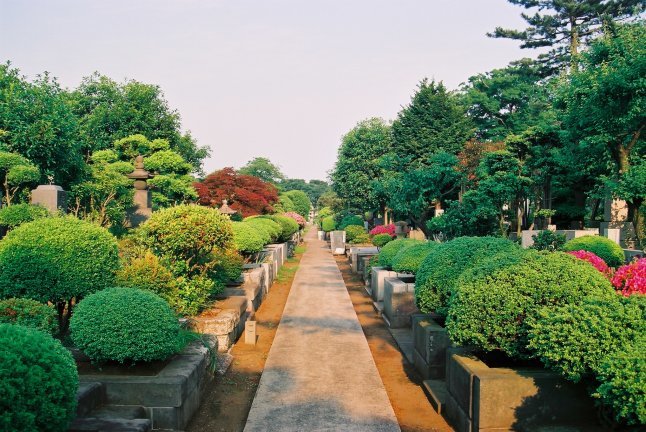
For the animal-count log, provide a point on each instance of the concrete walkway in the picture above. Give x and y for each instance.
(320, 374)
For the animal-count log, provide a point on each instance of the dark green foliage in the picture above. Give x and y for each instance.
(38, 381)
(475, 215)
(18, 214)
(603, 247)
(380, 240)
(410, 258)
(328, 224)
(390, 250)
(125, 325)
(263, 169)
(350, 220)
(491, 307)
(439, 272)
(302, 203)
(247, 238)
(314, 188)
(548, 240)
(622, 376)
(576, 338)
(56, 260)
(28, 313)
(353, 231)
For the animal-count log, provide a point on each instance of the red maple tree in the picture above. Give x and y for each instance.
(246, 194)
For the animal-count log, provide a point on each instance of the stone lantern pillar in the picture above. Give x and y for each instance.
(142, 208)
(225, 209)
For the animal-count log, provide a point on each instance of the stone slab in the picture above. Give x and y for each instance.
(377, 277)
(431, 342)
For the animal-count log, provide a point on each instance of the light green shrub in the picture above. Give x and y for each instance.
(328, 224)
(18, 214)
(603, 247)
(248, 239)
(352, 231)
(380, 240)
(410, 258)
(388, 252)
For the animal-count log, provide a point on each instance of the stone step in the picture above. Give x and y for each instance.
(126, 412)
(92, 424)
(89, 396)
(437, 393)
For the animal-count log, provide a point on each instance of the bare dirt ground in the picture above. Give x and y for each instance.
(402, 382)
(227, 401)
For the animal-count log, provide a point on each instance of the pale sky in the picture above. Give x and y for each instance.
(283, 79)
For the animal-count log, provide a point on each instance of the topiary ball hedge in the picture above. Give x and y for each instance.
(288, 226)
(328, 224)
(352, 231)
(247, 239)
(603, 247)
(18, 214)
(491, 308)
(28, 313)
(440, 270)
(350, 220)
(388, 252)
(410, 258)
(125, 325)
(38, 381)
(380, 240)
(267, 225)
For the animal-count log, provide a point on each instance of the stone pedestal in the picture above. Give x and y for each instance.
(142, 209)
(399, 302)
(431, 342)
(52, 197)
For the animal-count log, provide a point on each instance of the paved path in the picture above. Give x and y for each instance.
(320, 374)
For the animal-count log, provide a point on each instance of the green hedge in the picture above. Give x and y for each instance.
(267, 225)
(28, 313)
(440, 270)
(352, 231)
(380, 240)
(603, 247)
(125, 325)
(288, 226)
(350, 220)
(247, 239)
(328, 224)
(492, 306)
(228, 266)
(388, 252)
(409, 259)
(38, 381)
(18, 214)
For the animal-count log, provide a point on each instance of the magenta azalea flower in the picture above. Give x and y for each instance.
(631, 279)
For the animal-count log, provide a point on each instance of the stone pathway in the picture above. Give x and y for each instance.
(320, 374)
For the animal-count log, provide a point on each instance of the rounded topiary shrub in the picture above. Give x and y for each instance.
(350, 220)
(125, 325)
(492, 306)
(362, 238)
(409, 259)
(228, 265)
(300, 220)
(18, 214)
(56, 260)
(576, 338)
(38, 381)
(247, 239)
(440, 270)
(388, 252)
(28, 313)
(288, 226)
(328, 224)
(380, 240)
(268, 225)
(352, 231)
(603, 247)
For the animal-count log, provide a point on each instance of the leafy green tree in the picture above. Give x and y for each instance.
(357, 164)
(37, 123)
(631, 187)
(16, 173)
(330, 200)
(434, 121)
(564, 25)
(474, 215)
(314, 188)
(264, 169)
(302, 204)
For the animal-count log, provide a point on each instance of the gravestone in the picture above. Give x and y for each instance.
(337, 242)
(52, 197)
(616, 217)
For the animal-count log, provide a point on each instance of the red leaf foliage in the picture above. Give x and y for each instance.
(246, 194)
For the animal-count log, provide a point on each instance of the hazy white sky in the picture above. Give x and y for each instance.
(284, 79)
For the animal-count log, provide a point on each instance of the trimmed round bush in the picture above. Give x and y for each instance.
(352, 231)
(575, 339)
(380, 240)
(388, 252)
(361, 238)
(28, 313)
(384, 229)
(38, 381)
(328, 224)
(440, 270)
(56, 260)
(288, 226)
(125, 325)
(18, 214)
(146, 272)
(228, 265)
(409, 259)
(300, 220)
(492, 306)
(603, 247)
(593, 259)
(350, 220)
(247, 239)
(268, 225)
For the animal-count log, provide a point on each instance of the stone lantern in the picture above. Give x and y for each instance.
(225, 209)
(142, 208)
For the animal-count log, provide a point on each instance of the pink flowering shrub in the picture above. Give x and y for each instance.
(593, 259)
(383, 229)
(631, 278)
(300, 220)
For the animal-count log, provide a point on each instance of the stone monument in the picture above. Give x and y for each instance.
(50, 196)
(616, 218)
(225, 209)
(142, 208)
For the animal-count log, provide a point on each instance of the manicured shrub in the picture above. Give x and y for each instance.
(361, 238)
(18, 214)
(228, 266)
(388, 252)
(575, 339)
(622, 376)
(548, 240)
(247, 239)
(350, 220)
(38, 381)
(302, 203)
(409, 259)
(372, 262)
(125, 325)
(300, 220)
(146, 272)
(631, 279)
(268, 225)
(288, 226)
(439, 272)
(596, 262)
(380, 240)
(185, 236)
(352, 231)
(193, 294)
(328, 224)
(56, 260)
(384, 229)
(28, 313)
(491, 309)
(603, 247)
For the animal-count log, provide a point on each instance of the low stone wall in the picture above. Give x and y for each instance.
(399, 302)
(430, 344)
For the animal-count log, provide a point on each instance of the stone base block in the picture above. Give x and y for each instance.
(399, 302)
(437, 394)
(377, 277)
(431, 342)
(226, 325)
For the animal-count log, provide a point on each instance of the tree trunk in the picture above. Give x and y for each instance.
(574, 44)
(634, 215)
